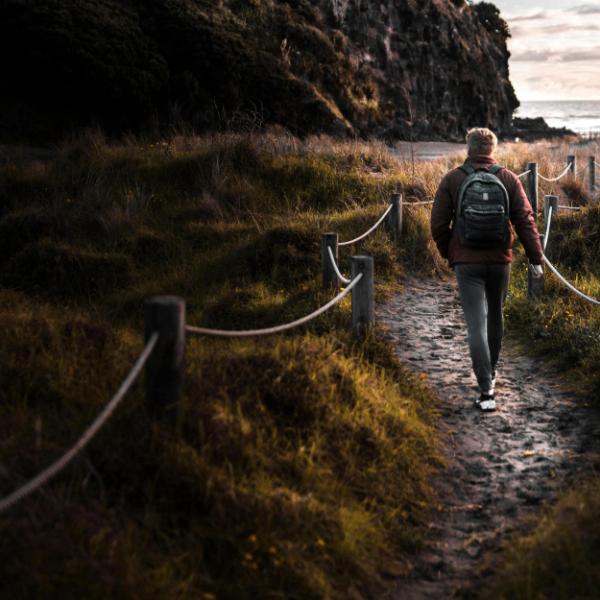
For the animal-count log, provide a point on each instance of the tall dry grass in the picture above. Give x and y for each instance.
(304, 467)
(305, 461)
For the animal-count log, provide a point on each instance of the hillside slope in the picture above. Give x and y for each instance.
(390, 69)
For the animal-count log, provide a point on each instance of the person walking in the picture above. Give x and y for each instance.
(478, 207)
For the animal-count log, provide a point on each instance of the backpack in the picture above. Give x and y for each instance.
(483, 210)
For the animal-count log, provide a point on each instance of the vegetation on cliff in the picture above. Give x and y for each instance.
(392, 69)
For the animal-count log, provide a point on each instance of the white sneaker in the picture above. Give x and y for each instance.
(486, 402)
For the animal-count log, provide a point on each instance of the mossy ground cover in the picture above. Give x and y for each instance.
(303, 466)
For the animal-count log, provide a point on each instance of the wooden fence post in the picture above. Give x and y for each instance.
(394, 218)
(592, 175)
(165, 367)
(532, 186)
(330, 280)
(363, 305)
(572, 159)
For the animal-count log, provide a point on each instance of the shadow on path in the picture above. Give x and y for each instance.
(502, 466)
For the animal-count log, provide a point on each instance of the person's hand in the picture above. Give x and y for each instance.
(536, 271)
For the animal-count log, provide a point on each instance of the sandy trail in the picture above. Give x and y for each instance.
(502, 466)
(428, 150)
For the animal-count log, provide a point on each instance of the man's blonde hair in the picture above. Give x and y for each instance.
(481, 140)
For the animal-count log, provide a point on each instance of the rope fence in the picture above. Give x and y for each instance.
(342, 279)
(56, 467)
(279, 328)
(547, 232)
(569, 284)
(420, 203)
(549, 200)
(369, 231)
(165, 326)
(163, 353)
(552, 179)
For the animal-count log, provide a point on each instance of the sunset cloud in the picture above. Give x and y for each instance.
(554, 48)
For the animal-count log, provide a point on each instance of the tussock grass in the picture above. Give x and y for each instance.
(304, 462)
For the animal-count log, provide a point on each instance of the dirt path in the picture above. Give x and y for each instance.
(428, 150)
(502, 466)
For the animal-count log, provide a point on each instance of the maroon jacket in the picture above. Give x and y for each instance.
(521, 218)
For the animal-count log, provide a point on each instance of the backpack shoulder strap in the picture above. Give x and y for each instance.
(467, 168)
(495, 169)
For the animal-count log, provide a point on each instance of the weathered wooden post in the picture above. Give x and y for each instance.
(394, 218)
(165, 367)
(572, 160)
(532, 186)
(330, 280)
(592, 176)
(363, 304)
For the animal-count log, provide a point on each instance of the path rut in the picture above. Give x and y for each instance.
(502, 466)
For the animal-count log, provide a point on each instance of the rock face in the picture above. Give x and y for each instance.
(537, 129)
(391, 68)
(435, 64)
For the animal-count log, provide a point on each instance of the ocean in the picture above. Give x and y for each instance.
(580, 116)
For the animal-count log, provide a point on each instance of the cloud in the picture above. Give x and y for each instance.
(566, 55)
(586, 9)
(531, 17)
(532, 56)
(555, 50)
(593, 54)
(530, 31)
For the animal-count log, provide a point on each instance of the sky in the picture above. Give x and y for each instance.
(555, 48)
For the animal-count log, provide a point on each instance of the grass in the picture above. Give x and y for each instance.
(558, 557)
(303, 468)
(561, 326)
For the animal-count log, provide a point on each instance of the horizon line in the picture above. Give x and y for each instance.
(560, 100)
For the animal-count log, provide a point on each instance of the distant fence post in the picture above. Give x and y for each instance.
(572, 160)
(329, 240)
(363, 305)
(164, 369)
(532, 186)
(592, 175)
(394, 218)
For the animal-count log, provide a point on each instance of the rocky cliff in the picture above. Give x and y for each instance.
(391, 68)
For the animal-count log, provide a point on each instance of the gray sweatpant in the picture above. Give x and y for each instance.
(483, 291)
